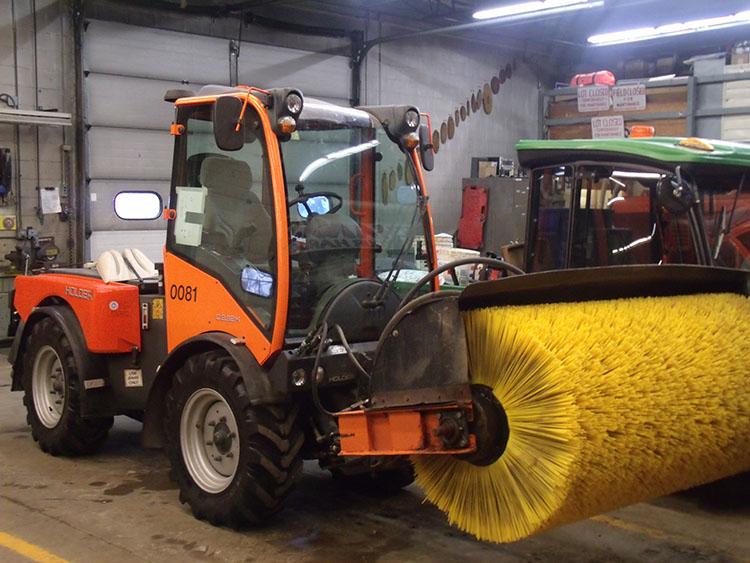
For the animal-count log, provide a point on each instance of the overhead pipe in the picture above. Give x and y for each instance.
(17, 128)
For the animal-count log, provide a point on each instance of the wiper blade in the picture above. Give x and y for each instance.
(726, 226)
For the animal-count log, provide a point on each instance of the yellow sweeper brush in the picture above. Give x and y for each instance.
(609, 402)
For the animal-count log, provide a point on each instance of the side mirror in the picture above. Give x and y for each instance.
(256, 281)
(676, 194)
(226, 112)
(425, 148)
(317, 205)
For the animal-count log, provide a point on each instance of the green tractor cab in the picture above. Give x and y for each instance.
(636, 201)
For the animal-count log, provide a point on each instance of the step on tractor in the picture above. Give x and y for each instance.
(297, 314)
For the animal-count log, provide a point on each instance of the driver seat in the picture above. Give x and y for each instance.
(333, 242)
(236, 223)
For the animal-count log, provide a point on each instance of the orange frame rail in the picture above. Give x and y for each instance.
(397, 432)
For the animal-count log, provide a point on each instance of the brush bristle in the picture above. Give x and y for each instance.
(608, 403)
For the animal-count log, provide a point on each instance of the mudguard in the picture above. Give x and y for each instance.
(66, 319)
(108, 314)
(257, 380)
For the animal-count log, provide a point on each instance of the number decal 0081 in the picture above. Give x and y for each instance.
(183, 292)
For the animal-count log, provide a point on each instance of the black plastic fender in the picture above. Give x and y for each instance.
(258, 381)
(66, 319)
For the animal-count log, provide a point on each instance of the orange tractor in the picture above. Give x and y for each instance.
(294, 227)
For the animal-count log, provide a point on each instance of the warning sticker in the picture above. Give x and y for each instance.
(609, 127)
(133, 378)
(157, 309)
(631, 97)
(593, 98)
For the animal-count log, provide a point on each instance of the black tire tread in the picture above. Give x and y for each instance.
(272, 441)
(74, 435)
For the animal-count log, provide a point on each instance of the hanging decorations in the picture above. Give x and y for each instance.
(480, 99)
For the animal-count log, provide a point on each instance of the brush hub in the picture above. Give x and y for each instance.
(489, 425)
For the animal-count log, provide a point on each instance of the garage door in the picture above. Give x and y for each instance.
(127, 70)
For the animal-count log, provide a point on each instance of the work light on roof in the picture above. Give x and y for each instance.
(412, 118)
(293, 103)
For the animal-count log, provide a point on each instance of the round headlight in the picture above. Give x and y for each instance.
(294, 103)
(286, 125)
(412, 119)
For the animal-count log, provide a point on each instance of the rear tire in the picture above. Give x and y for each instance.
(51, 383)
(209, 417)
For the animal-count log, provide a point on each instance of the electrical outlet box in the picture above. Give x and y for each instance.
(7, 222)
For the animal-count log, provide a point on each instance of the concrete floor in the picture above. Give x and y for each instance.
(120, 506)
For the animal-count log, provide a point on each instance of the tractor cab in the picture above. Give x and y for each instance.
(637, 201)
(280, 202)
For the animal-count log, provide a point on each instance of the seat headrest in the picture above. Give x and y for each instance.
(226, 176)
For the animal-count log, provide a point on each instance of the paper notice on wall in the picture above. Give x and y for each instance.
(49, 200)
(631, 97)
(593, 98)
(609, 127)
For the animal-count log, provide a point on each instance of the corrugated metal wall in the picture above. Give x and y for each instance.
(127, 69)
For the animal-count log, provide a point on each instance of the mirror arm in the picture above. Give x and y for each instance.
(242, 112)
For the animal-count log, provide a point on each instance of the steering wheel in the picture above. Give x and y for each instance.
(303, 199)
(492, 263)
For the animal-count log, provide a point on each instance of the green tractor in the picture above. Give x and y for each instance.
(659, 200)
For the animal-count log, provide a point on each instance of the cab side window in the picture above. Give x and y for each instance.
(554, 189)
(225, 214)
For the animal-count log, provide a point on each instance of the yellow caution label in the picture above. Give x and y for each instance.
(157, 309)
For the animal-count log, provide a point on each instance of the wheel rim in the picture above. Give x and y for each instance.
(48, 386)
(209, 440)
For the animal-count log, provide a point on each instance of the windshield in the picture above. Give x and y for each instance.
(624, 214)
(355, 210)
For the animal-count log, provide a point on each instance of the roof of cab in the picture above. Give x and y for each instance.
(654, 151)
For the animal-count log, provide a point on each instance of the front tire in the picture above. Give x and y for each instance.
(234, 462)
(51, 383)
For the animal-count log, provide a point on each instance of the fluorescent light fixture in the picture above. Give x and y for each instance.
(670, 30)
(343, 153)
(637, 175)
(537, 7)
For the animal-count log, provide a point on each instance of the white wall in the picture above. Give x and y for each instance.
(439, 74)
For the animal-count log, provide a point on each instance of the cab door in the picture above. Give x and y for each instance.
(227, 259)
